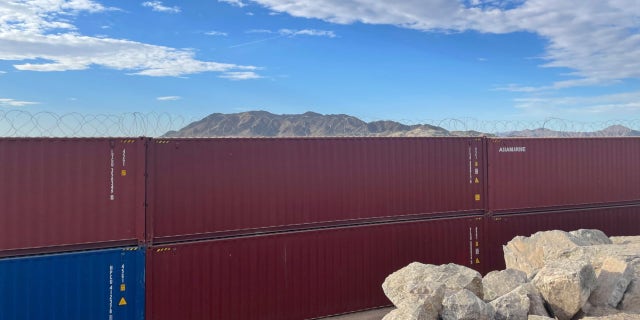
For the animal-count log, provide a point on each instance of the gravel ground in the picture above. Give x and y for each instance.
(376, 314)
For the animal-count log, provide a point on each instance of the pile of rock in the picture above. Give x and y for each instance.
(581, 274)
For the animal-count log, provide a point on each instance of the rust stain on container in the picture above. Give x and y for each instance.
(299, 275)
(541, 174)
(202, 188)
(66, 194)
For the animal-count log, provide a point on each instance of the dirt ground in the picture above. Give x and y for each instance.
(376, 314)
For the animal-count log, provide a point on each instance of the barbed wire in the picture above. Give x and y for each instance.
(20, 123)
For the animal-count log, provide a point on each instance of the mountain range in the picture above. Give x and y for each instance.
(311, 124)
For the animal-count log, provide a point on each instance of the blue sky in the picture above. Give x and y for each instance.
(406, 60)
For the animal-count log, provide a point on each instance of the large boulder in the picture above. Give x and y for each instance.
(566, 286)
(530, 254)
(455, 278)
(536, 303)
(614, 276)
(498, 283)
(590, 237)
(631, 300)
(465, 305)
(410, 314)
(399, 285)
(513, 305)
(395, 314)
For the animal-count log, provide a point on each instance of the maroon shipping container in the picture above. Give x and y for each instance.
(204, 188)
(64, 194)
(540, 174)
(613, 221)
(299, 275)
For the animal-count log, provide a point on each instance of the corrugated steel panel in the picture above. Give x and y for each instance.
(534, 174)
(200, 188)
(63, 194)
(613, 221)
(299, 275)
(102, 284)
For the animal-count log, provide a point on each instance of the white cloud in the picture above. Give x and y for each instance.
(307, 32)
(169, 98)
(259, 31)
(599, 40)
(237, 3)
(240, 75)
(159, 7)
(6, 102)
(294, 32)
(623, 105)
(216, 33)
(40, 36)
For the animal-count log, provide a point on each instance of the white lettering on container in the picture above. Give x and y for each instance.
(512, 149)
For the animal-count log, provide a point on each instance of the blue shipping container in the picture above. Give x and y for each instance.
(102, 284)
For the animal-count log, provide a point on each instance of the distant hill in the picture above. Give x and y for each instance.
(309, 124)
(611, 131)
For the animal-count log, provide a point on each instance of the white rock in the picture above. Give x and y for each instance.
(464, 305)
(536, 317)
(398, 284)
(566, 286)
(498, 283)
(455, 278)
(394, 314)
(613, 278)
(528, 253)
(589, 237)
(536, 303)
(631, 300)
(513, 305)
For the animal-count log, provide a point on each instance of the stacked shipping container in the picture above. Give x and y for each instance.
(314, 195)
(560, 183)
(70, 195)
(285, 228)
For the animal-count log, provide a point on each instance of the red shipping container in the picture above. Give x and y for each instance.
(299, 275)
(204, 188)
(613, 221)
(64, 194)
(541, 174)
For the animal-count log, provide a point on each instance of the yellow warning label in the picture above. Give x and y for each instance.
(476, 163)
(123, 287)
(123, 173)
(477, 181)
(477, 197)
(123, 302)
(477, 261)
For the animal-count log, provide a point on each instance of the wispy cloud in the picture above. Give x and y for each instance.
(6, 102)
(240, 75)
(296, 32)
(291, 33)
(307, 32)
(159, 7)
(41, 36)
(598, 40)
(621, 105)
(216, 33)
(237, 3)
(259, 31)
(169, 98)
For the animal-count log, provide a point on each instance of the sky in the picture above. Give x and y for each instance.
(403, 60)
